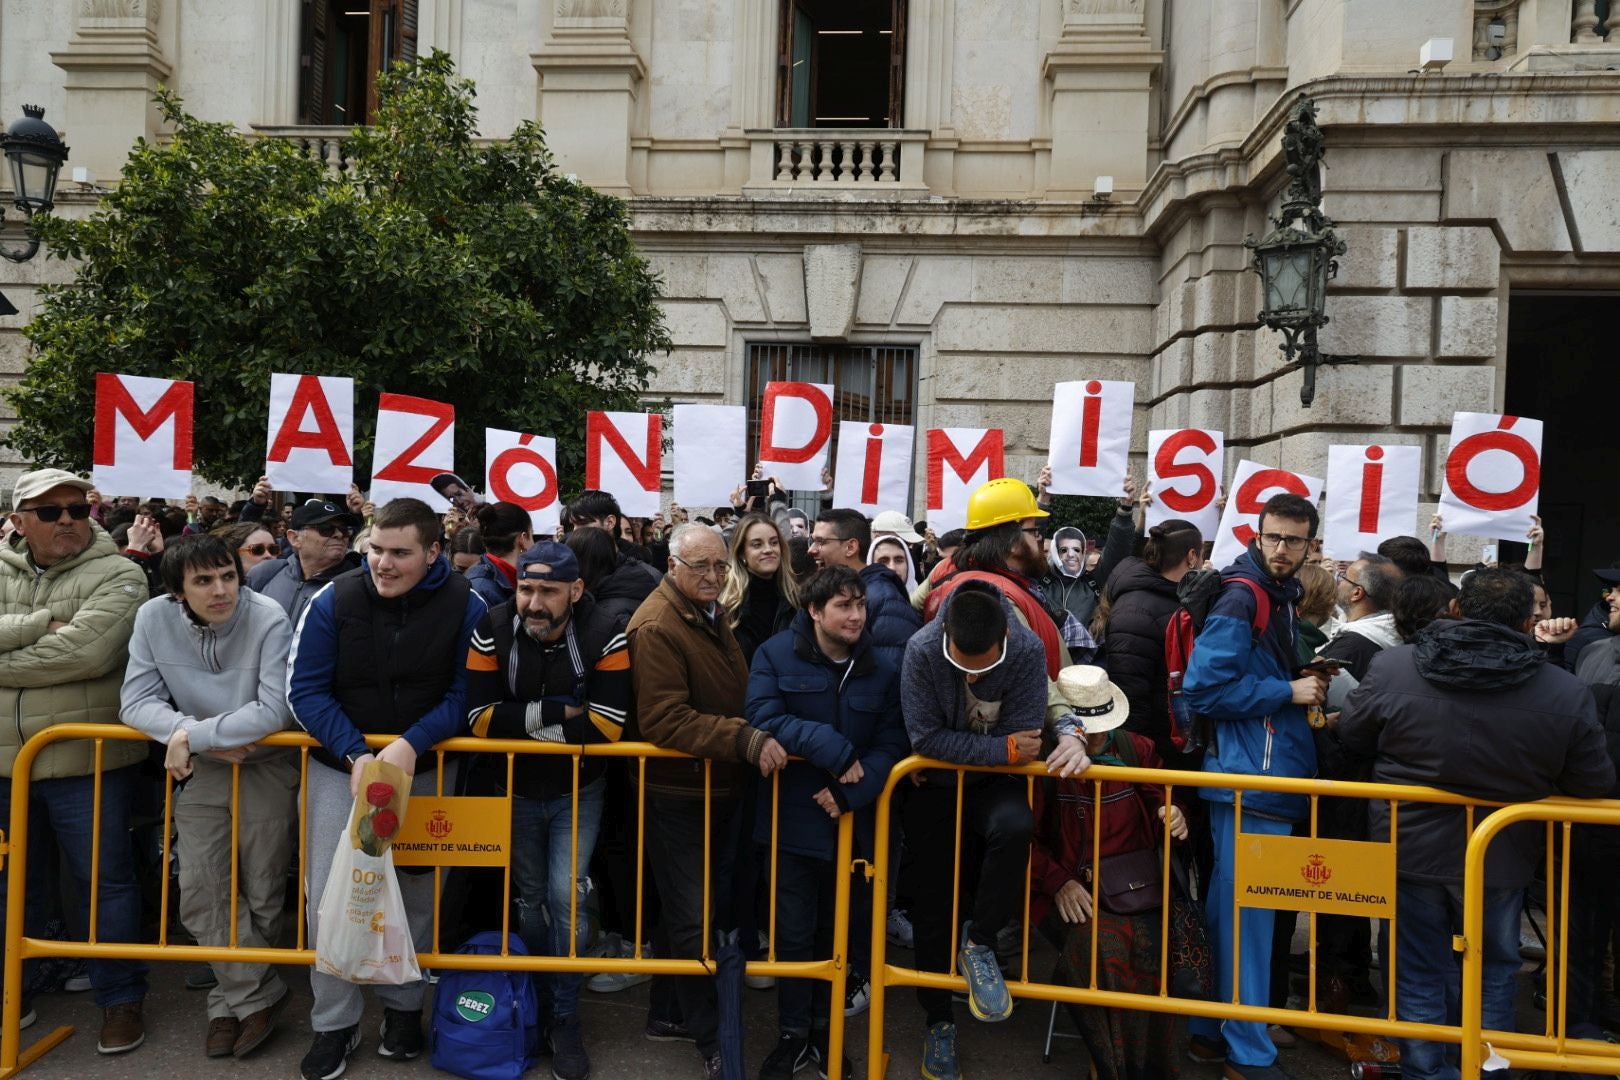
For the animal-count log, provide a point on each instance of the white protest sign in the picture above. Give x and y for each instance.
(1372, 494)
(1091, 436)
(1491, 484)
(711, 453)
(142, 439)
(1184, 476)
(522, 469)
(624, 456)
(959, 460)
(1252, 485)
(874, 467)
(416, 441)
(310, 444)
(795, 428)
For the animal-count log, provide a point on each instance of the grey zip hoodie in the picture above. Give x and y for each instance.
(226, 685)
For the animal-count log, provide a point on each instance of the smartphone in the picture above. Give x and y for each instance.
(759, 489)
(1487, 554)
(1325, 665)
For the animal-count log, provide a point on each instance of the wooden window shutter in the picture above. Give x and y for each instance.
(784, 65)
(313, 67)
(405, 41)
(897, 64)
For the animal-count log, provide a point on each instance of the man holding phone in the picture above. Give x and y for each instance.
(1248, 681)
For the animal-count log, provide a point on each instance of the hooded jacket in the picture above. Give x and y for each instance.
(1359, 640)
(1079, 593)
(489, 580)
(934, 695)
(1142, 601)
(283, 581)
(1244, 686)
(71, 675)
(1029, 606)
(890, 618)
(1473, 708)
(831, 716)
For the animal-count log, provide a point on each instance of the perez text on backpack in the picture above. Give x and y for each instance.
(1197, 591)
(486, 1024)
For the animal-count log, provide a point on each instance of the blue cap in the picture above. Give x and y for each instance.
(548, 561)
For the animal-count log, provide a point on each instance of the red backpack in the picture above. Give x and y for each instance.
(1189, 731)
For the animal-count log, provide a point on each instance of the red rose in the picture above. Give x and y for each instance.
(379, 793)
(384, 823)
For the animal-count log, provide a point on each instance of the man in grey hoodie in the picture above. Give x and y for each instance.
(207, 678)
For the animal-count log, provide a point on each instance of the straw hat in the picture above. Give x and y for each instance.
(1100, 705)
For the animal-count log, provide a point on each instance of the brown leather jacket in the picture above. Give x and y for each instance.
(690, 683)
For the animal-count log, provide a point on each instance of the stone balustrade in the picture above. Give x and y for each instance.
(1587, 29)
(328, 145)
(861, 162)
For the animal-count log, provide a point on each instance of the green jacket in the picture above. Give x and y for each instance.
(72, 675)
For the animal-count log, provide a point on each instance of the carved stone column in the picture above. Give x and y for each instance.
(590, 79)
(1101, 77)
(114, 61)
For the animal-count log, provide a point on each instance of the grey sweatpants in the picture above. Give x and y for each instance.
(338, 1004)
(267, 801)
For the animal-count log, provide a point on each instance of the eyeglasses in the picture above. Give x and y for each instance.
(1348, 580)
(823, 541)
(945, 649)
(48, 514)
(330, 529)
(718, 570)
(1033, 530)
(256, 550)
(1277, 540)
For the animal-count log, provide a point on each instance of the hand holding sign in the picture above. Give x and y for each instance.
(1091, 436)
(795, 429)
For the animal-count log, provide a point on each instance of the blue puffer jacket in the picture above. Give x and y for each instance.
(831, 721)
(890, 618)
(1243, 685)
(489, 582)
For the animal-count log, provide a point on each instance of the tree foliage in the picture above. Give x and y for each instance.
(472, 274)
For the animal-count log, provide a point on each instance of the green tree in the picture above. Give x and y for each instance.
(472, 274)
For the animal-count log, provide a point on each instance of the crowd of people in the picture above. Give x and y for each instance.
(812, 650)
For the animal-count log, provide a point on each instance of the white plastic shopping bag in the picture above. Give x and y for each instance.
(362, 935)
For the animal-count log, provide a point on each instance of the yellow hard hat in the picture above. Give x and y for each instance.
(1000, 501)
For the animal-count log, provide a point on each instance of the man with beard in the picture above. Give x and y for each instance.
(550, 665)
(320, 535)
(1602, 623)
(1248, 684)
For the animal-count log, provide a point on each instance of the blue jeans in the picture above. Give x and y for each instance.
(1246, 1041)
(804, 931)
(545, 879)
(1428, 974)
(61, 812)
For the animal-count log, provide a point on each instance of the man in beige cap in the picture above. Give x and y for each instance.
(67, 609)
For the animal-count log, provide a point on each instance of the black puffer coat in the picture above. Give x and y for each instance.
(1473, 708)
(1143, 601)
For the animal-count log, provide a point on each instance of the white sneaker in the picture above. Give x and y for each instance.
(759, 982)
(901, 932)
(611, 982)
(28, 1018)
(857, 995)
(78, 984)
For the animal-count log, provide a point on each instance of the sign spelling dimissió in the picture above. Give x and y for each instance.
(454, 831)
(1298, 873)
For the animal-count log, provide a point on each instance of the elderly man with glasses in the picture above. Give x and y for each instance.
(974, 692)
(690, 682)
(67, 609)
(321, 534)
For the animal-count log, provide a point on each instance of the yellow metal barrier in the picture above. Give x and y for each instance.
(14, 853)
(1530, 1050)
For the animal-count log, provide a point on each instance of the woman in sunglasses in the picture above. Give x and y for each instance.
(251, 541)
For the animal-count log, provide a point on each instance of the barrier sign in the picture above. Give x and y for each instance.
(1297, 873)
(454, 831)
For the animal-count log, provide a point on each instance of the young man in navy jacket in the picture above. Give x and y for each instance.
(1249, 686)
(381, 650)
(826, 694)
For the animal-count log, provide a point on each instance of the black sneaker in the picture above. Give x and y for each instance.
(400, 1038)
(328, 1054)
(792, 1053)
(1202, 1050)
(818, 1054)
(667, 1031)
(568, 1058)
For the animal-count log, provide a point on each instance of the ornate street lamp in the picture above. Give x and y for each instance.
(1296, 259)
(35, 155)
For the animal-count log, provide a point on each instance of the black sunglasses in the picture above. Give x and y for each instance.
(330, 529)
(48, 514)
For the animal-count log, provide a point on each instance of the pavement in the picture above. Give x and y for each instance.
(612, 1023)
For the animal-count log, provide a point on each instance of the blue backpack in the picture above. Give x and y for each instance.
(486, 1024)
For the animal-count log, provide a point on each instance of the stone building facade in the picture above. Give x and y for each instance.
(908, 201)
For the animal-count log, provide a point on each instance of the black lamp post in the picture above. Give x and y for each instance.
(1296, 259)
(35, 155)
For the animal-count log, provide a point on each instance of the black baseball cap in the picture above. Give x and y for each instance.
(319, 512)
(1609, 575)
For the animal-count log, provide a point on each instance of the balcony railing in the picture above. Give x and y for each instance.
(852, 162)
(1498, 32)
(328, 145)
